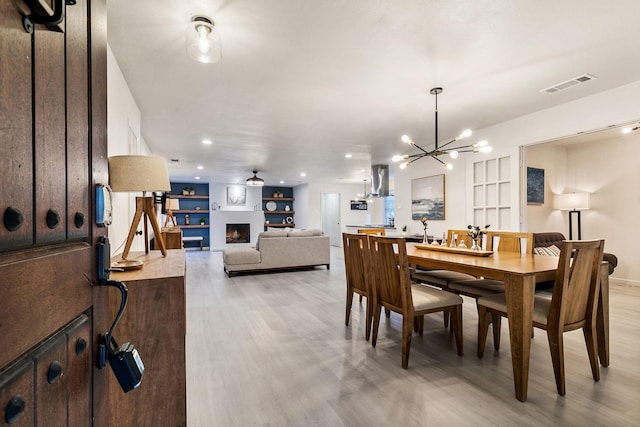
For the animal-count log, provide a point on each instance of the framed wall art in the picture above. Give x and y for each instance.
(236, 195)
(535, 186)
(427, 198)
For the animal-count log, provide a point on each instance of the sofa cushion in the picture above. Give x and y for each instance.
(552, 250)
(269, 234)
(240, 255)
(304, 233)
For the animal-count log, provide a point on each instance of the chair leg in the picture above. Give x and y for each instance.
(387, 313)
(591, 339)
(557, 357)
(419, 324)
(407, 331)
(368, 313)
(361, 298)
(376, 323)
(445, 315)
(496, 321)
(456, 320)
(483, 328)
(347, 315)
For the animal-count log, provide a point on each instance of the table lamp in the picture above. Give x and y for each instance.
(135, 174)
(172, 205)
(574, 203)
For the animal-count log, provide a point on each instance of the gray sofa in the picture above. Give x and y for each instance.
(277, 250)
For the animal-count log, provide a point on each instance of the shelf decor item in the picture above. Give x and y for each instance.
(203, 221)
(271, 206)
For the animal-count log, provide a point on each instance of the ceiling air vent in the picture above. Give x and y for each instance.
(569, 83)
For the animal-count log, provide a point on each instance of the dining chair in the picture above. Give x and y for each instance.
(373, 231)
(498, 241)
(573, 305)
(443, 278)
(356, 262)
(392, 289)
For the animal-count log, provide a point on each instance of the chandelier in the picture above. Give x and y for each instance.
(439, 150)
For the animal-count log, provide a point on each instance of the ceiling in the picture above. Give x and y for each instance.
(302, 83)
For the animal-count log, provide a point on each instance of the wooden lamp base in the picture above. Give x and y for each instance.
(144, 207)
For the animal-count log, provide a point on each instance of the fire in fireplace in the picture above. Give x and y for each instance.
(238, 233)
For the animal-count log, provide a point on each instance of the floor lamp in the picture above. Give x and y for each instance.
(135, 174)
(574, 203)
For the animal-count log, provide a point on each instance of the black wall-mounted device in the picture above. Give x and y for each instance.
(125, 360)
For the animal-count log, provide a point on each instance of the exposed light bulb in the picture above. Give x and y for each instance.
(448, 166)
(404, 165)
(482, 143)
(486, 149)
(399, 157)
(454, 154)
(627, 130)
(348, 155)
(465, 134)
(203, 41)
(406, 139)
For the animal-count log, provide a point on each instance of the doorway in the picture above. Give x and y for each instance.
(331, 218)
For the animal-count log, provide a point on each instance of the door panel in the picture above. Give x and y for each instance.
(79, 372)
(77, 121)
(51, 382)
(49, 145)
(16, 149)
(16, 391)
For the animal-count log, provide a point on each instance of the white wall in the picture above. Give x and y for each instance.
(619, 105)
(123, 130)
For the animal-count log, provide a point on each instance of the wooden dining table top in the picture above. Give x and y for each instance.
(494, 266)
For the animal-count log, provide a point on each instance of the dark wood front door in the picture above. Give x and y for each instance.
(52, 153)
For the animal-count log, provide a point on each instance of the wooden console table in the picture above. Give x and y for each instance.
(155, 322)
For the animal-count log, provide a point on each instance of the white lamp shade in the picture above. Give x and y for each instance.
(138, 173)
(573, 201)
(173, 204)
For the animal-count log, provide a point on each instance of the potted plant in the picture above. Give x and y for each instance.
(404, 229)
(202, 221)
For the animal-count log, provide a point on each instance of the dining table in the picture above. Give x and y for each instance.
(520, 273)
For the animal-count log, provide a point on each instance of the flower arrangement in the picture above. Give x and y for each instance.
(404, 228)
(475, 233)
(424, 224)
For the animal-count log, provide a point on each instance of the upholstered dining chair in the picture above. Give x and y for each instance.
(356, 262)
(443, 278)
(374, 231)
(573, 305)
(499, 241)
(392, 289)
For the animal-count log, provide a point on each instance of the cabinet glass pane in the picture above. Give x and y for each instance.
(504, 196)
(478, 172)
(505, 168)
(491, 170)
(505, 218)
(478, 195)
(491, 195)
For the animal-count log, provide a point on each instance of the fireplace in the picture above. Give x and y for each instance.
(238, 233)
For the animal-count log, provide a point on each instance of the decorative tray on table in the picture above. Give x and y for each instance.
(461, 251)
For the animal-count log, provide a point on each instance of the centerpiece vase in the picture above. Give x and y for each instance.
(475, 246)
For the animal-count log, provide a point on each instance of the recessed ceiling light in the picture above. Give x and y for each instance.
(197, 177)
(207, 142)
(303, 174)
(630, 129)
(348, 155)
(199, 167)
(281, 182)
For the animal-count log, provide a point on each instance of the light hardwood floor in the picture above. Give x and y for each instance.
(273, 350)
